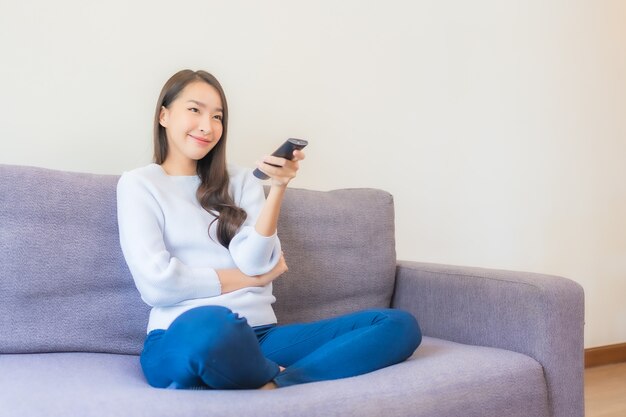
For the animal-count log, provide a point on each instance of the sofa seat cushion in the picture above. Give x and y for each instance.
(441, 379)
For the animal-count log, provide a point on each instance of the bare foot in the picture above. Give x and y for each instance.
(272, 384)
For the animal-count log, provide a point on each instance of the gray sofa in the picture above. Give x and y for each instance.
(496, 343)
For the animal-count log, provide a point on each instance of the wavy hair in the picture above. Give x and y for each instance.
(212, 193)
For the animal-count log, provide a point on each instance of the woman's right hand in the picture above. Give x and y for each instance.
(234, 279)
(278, 270)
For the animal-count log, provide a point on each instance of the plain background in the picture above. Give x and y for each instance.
(498, 126)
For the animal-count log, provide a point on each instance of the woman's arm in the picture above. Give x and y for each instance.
(233, 279)
(255, 248)
(279, 179)
(161, 278)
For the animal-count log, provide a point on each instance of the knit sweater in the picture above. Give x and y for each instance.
(172, 257)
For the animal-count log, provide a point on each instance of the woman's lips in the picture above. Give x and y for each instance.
(200, 140)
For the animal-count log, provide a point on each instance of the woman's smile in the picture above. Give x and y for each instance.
(200, 139)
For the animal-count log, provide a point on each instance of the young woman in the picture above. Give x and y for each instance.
(200, 240)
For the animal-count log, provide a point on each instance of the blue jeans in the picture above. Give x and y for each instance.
(212, 347)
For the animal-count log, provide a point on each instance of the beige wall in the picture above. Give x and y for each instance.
(499, 126)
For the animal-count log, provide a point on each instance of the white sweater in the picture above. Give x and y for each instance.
(173, 261)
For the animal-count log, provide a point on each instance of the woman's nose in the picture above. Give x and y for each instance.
(205, 126)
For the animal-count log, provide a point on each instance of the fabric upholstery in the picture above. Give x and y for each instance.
(65, 286)
(326, 237)
(538, 315)
(441, 379)
(513, 341)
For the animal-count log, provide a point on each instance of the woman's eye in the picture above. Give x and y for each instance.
(218, 117)
(194, 109)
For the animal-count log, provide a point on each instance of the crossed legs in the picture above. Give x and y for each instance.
(213, 347)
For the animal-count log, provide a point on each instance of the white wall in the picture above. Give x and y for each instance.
(499, 126)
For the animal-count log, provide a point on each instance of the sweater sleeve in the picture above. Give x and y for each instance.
(253, 253)
(161, 279)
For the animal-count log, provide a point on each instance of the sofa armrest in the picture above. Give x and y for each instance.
(538, 315)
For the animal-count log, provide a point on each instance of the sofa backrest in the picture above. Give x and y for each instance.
(64, 284)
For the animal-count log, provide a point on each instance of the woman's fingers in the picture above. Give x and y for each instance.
(281, 170)
(298, 155)
(288, 170)
(275, 160)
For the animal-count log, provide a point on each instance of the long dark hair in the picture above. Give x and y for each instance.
(213, 192)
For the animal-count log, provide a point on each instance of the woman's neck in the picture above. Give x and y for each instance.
(175, 169)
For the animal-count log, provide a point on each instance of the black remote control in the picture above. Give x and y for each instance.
(284, 151)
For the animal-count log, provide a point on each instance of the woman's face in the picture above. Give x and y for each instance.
(193, 123)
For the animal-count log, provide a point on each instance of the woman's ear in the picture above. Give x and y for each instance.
(164, 116)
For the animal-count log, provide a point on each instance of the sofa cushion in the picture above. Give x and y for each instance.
(441, 379)
(340, 249)
(64, 284)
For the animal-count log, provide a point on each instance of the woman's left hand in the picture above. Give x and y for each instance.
(280, 175)
(285, 170)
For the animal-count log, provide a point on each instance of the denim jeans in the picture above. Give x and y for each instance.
(212, 347)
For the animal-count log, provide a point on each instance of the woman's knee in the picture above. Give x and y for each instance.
(203, 330)
(405, 327)
(207, 317)
(200, 347)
